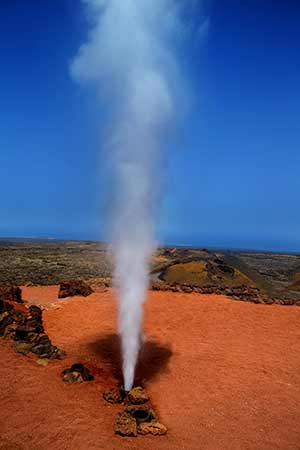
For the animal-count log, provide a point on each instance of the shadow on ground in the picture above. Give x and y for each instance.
(153, 357)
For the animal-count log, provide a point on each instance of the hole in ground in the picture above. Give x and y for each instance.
(141, 415)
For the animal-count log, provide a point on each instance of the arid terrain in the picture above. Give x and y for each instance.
(49, 262)
(222, 374)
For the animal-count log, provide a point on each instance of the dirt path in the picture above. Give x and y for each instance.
(224, 375)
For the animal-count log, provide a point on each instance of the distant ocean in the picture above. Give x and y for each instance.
(212, 244)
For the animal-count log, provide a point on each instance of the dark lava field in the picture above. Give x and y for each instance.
(48, 262)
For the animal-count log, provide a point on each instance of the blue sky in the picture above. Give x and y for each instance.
(232, 172)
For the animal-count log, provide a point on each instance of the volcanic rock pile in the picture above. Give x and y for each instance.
(77, 374)
(74, 287)
(25, 326)
(134, 419)
(242, 293)
(114, 395)
(10, 292)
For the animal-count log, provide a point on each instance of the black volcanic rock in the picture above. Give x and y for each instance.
(5, 321)
(4, 306)
(137, 396)
(10, 293)
(77, 373)
(74, 287)
(114, 395)
(27, 330)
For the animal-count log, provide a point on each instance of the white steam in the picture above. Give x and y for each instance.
(130, 59)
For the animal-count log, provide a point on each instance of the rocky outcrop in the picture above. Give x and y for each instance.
(241, 293)
(10, 293)
(25, 327)
(74, 287)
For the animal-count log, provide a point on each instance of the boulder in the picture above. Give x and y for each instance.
(77, 373)
(137, 396)
(125, 425)
(114, 395)
(155, 428)
(73, 377)
(74, 287)
(10, 292)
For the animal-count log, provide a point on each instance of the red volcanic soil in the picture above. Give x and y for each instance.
(223, 375)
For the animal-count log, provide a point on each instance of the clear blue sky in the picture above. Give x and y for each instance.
(232, 176)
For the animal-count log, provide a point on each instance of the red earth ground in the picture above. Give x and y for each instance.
(223, 375)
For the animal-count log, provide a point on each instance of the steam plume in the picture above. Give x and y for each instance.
(130, 59)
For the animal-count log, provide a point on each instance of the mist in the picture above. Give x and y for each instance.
(130, 58)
